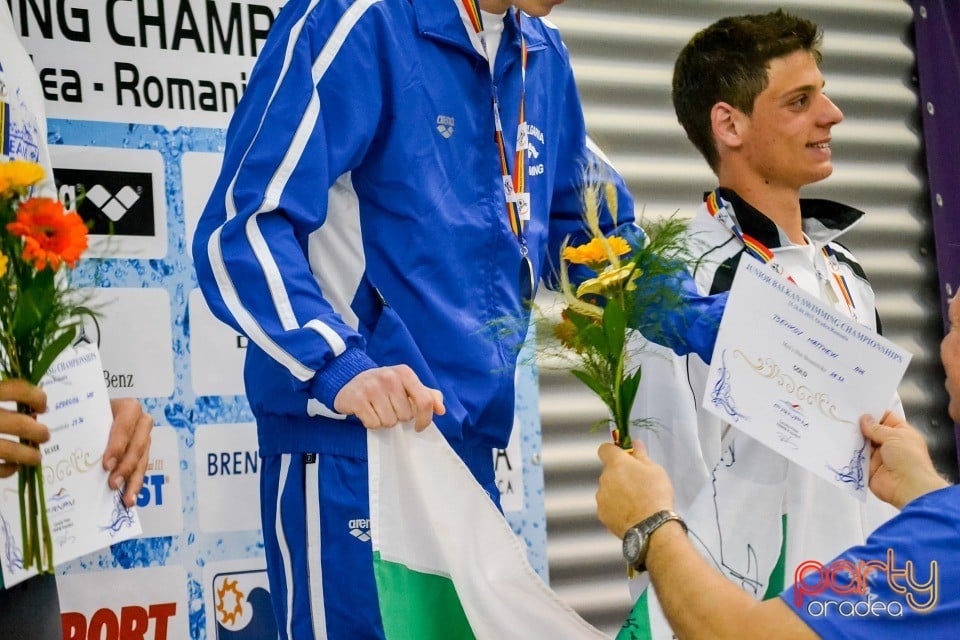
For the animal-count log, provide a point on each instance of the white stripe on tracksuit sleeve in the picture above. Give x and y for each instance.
(272, 192)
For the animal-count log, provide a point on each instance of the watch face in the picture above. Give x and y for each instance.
(631, 546)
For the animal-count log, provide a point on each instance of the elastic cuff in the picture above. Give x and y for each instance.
(330, 379)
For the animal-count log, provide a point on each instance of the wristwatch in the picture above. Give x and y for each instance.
(636, 541)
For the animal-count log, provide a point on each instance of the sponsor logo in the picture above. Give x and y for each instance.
(227, 477)
(152, 490)
(61, 501)
(791, 423)
(130, 622)
(504, 474)
(445, 125)
(114, 206)
(241, 606)
(846, 578)
(59, 504)
(117, 380)
(360, 529)
(233, 463)
(113, 202)
(159, 502)
(89, 331)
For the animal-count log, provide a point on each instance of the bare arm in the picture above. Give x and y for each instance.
(696, 599)
(701, 603)
(128, 449)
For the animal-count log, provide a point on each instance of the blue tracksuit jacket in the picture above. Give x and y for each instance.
(359, 219)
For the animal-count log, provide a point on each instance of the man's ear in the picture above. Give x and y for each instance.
(728, 124)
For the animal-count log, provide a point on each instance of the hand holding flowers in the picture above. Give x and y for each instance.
(39, 314)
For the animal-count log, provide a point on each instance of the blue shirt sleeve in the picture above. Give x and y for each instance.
(686, 321)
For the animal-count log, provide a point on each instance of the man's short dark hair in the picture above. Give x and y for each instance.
(728, 62)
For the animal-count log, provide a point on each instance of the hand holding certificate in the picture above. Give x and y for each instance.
(83, 512)
(796, 375)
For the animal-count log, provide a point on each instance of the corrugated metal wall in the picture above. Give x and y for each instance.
(623, 54)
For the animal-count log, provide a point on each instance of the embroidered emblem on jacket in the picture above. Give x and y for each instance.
(445, 125)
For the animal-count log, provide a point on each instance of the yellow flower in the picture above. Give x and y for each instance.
(3, 265)
(566, 288)
(609, 280)
(593, 252)
(16, 176)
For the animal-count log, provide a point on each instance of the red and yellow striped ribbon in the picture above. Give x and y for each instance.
(517, 177)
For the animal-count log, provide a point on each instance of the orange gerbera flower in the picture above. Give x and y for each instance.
(593, 253)
(50, 235)
(16, 176)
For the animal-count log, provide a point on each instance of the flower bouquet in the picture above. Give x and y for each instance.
(39, 314)
(629, 288)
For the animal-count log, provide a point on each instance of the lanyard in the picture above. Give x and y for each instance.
(514, 184)
(722, 212)
(4, 121)
(839, 282)
(4, 128)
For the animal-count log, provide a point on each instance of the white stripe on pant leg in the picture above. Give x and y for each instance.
(282, 543)
(314, 565)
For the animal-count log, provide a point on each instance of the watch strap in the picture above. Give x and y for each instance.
(647, 527)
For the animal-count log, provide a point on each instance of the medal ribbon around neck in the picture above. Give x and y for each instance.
(839, 282)
(721, 210)
(514, 183)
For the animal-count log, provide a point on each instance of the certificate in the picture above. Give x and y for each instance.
(84, 513)
(793, 373)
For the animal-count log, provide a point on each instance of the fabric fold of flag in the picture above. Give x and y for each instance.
(447, 564)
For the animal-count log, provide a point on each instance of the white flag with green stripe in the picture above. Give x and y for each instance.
(447, 564)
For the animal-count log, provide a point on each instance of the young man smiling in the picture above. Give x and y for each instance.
(749, 92)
